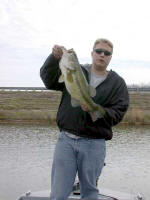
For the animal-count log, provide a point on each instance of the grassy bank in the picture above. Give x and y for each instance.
(41, 107)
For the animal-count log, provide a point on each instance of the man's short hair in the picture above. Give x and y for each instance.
(103, 40)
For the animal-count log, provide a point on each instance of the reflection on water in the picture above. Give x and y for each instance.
(26, 153)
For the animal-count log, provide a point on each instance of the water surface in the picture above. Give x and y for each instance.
(26, 153)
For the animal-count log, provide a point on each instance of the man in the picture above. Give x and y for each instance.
(81, 144)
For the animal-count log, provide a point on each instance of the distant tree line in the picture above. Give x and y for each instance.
(141, 85)
(131, 87)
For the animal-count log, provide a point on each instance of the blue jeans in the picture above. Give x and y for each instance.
(82, 155)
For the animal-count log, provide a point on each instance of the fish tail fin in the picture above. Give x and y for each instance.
(95, 115)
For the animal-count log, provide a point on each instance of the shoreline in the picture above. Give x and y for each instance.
(41, 107)
(47, 123)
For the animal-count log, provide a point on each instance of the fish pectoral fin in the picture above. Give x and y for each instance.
(92, 91)
(75, 102)
(61, 79)
(69, 78)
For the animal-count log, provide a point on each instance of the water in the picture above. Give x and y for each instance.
(26, 153)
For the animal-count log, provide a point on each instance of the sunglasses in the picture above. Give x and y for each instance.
(100, 51)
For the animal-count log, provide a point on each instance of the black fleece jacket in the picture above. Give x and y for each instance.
(111, 94)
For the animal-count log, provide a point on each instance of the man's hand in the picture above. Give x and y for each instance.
(57, 51)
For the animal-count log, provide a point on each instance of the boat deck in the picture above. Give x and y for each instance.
(105, 195)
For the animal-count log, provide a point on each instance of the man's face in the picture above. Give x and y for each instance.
(100, 56)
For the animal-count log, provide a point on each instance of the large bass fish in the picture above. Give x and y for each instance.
(77, 85)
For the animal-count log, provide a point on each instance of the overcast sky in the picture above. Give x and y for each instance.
(30, 28)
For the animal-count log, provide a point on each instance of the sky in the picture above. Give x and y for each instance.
(30, 28)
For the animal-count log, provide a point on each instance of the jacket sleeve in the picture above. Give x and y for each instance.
(50, 73)
(115, 112)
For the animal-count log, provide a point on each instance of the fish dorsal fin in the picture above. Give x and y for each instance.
(92, 91)
(61, 79)
(74, 102)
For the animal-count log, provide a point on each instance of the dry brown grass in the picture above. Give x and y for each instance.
(134, 116)
(42, 106)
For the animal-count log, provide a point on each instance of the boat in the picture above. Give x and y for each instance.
(105, 194)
